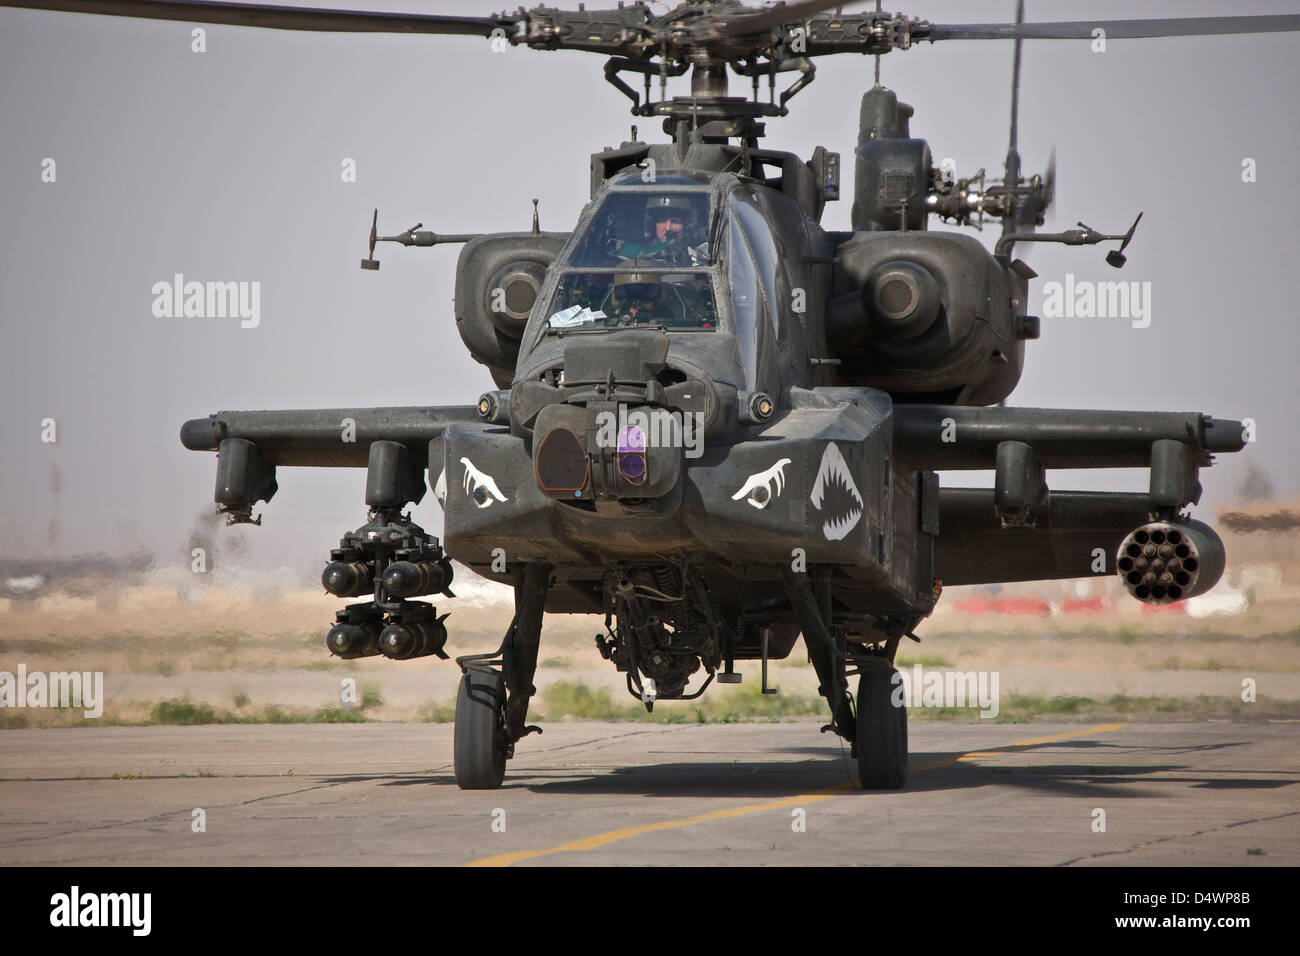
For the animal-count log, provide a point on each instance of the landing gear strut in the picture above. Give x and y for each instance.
(492, 704)
(813, 611)
(877, 732)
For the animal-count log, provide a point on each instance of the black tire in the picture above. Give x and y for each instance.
(480, 736)
(882, 731)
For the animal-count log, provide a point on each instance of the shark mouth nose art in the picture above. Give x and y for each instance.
(836, 495)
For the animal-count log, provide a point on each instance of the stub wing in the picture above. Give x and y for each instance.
(1021, 530)
(250, 445)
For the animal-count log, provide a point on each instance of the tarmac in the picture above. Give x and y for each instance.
(583, 793)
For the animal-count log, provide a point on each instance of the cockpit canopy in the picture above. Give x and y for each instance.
(676, 301)
(652, 228)
(642, 260)
(681, 253)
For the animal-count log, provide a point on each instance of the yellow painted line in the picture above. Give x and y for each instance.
(603, 839)
(1018, 745)
(613, 836)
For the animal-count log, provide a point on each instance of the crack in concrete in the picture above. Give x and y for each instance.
(159, 817)
(1179, 836)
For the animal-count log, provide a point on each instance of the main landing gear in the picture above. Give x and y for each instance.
(877, 728)
(492, 704)
(482, 744)
(881, 745)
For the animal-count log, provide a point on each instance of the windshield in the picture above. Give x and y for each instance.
(615, 300)
(647, 227)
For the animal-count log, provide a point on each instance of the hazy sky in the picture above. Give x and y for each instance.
(226, 165)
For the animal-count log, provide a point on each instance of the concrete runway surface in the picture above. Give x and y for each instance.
(621, 793)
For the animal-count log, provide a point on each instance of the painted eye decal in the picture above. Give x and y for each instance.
(765, 486)
(480, 486)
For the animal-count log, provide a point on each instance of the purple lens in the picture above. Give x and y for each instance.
(631, 465)
(631, 454)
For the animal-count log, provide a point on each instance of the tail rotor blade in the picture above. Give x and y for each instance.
(1049, 182)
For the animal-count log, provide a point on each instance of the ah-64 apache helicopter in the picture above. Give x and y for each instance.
(716, 423)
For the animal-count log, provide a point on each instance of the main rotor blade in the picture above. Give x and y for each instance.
(1115, 29)
(276, 17)
(746, 21)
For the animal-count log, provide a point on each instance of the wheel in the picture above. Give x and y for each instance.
(480, 733)
(882, 730)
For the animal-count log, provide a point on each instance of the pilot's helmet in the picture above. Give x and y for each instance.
(632, 287)
(658, 208)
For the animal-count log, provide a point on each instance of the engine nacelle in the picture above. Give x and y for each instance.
(925, 316)
(498, 278)
(1167, 561)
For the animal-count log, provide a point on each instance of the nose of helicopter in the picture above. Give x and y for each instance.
(610, 451)
(613, 433)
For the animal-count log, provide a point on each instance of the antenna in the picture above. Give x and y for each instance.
(1116, 257)
(370, 262)
(417, 236)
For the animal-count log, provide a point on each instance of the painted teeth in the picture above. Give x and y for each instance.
(834, 475)
(835, 530)
(833, 466)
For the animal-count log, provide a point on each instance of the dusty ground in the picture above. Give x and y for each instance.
(240, 650)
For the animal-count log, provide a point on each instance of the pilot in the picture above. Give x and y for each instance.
(670, 223)
(638, 298)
